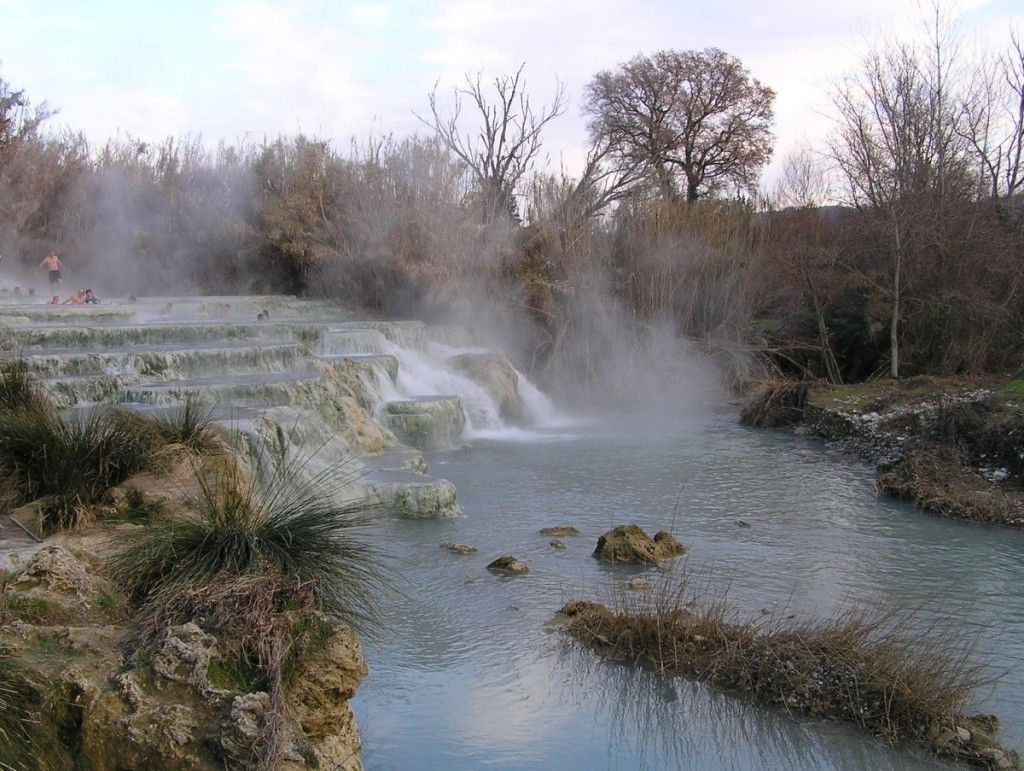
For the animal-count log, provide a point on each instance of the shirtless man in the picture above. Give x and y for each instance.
(53, 264)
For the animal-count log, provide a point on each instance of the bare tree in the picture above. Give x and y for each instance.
(900, 153)
(992, 121)
(692, 117)
(505, 146)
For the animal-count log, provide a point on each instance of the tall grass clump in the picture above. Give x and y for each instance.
(880, 671)
(67, 464)
(261, 562)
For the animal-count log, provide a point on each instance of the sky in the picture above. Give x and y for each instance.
(245, 69)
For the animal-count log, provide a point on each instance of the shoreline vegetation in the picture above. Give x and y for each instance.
(194, 605)
(880, 672)
(952, 446)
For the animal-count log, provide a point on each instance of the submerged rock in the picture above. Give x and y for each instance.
(559, 530)
(556, 544)
(640, 584)
(458, 548)
(630, 544)
(509, 564)
(741, 523)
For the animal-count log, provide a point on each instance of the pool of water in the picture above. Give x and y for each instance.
(470, 673)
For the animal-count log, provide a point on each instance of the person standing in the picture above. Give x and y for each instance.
(53, 264)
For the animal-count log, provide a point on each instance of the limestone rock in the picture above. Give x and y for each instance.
(630, 544)
(639, 584)
(509, 564)
(319, 700)
(458, 548)
(559, 530)
(54, 574)
(184, 657)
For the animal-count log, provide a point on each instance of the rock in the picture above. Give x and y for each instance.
(640, 584)
(509, 564)
(742, 523)
(559, 530)
(963, 734)
(803, 431)
(55, 572)
(326, 682)
(556, 544)
(667, 545)
(630, 544)
(458, 548)
(496, 376)
(184, 656)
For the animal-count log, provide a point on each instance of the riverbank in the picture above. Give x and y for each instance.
(950, 446)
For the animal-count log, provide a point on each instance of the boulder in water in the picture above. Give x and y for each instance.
(630, 544)
(559, 530)
(639, 584)
(496, 376)
(556, 544)
(509, 564)
(458, 548)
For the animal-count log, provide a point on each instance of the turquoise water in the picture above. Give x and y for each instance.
(471, 674)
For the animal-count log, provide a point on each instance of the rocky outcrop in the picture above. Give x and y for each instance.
(509, 564)
(319, 699)
(169, 705)
(629, 544)
(496, 376)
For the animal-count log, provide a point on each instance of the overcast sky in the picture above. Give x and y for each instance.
(239, 68)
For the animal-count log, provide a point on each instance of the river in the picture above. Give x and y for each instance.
(470, 673)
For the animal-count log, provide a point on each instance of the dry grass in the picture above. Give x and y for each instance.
(937, 480)
(775, 403)
(882, 672)
(18, 710)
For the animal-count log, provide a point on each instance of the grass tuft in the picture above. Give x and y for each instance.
(66, 464)
(18, 389)
(279, 524)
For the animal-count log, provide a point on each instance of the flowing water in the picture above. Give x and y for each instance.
(471, 674)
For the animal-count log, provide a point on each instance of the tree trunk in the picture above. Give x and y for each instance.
(894, 321)
(691, 191)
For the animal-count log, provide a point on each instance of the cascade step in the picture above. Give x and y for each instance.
(153, 361)
(258, 389)
(45, 337)
(426, 422)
